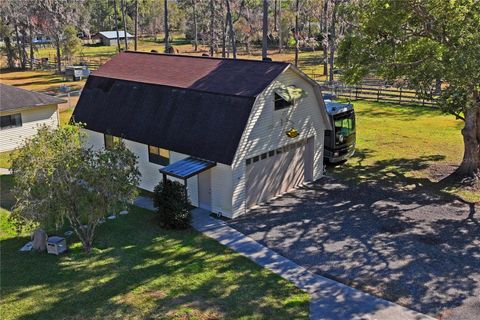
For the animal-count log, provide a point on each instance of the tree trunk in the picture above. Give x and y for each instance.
(280, 33)
(325, 37)
(115, 14)
(212, 27)
(165, 23)
(332, 41)
(24, 49)
(19, 47)
(122, 3)
(224, 31)
(275, 13)
(265, 30)
(136, 26)
(10, 52)
(232, 31)
(59, 56)
(471, 138)
(195, 25)
(32, 57)
(296, 33)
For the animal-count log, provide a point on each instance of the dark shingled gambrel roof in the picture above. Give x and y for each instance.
(200, 124)
(197, 106)
(12, 98)
(224, 76)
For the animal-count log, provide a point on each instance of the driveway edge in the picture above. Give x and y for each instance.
(329, 299)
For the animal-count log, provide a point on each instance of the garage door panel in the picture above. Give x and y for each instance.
(276, 174)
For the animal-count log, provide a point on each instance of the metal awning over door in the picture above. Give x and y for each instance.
(187, 168)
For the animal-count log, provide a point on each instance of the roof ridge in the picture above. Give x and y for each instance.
(179, 88)
(204, 57)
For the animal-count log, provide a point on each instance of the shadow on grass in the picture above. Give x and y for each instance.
(6, 198)
(140, 270)
(400, 112)
(378, 229)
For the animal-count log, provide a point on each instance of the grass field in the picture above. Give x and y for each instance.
(405, 147)
(139, 271)
(309, 61)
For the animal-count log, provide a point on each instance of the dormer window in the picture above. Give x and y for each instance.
(286, 96)
(282, 103)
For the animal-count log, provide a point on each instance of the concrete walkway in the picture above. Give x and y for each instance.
(330, 300)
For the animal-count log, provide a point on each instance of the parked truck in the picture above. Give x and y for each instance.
(339, 142)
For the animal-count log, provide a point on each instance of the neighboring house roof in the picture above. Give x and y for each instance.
(113, 34)
(12, 98)
(224, 76)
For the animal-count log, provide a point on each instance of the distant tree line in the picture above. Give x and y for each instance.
(224, 26)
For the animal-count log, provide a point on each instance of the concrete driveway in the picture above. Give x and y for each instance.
(416, 249)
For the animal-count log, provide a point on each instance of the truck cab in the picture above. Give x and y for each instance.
(339, 142)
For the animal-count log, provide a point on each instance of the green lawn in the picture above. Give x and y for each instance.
(405, 147)
(140, 271)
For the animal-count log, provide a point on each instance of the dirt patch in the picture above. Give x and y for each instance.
(439, 171)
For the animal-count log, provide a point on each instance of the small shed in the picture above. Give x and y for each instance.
(109, 38)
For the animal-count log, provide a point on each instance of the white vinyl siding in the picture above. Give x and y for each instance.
(32, 119)
(266, 131)
(221, 175)
(222, 189)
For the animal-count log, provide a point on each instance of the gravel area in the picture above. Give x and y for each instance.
(414, 248)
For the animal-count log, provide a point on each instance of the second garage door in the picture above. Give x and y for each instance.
(277, 171)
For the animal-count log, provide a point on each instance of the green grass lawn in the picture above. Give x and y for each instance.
(405, 147)
(140, 271)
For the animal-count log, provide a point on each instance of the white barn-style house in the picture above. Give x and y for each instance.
(237, 132)
(22, 112)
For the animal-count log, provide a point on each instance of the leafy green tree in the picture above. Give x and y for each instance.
(57, 179)
(423, 42)
(71, 43)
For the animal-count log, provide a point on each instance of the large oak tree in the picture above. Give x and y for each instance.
(423, 42)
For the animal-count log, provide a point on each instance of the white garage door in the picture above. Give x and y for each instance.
(278, 171)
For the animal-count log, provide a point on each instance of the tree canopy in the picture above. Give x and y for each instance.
(58, 180)
(422, 43)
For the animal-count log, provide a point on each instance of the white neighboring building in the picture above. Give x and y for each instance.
(109, 38)
(238, 132)
(22, 112)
